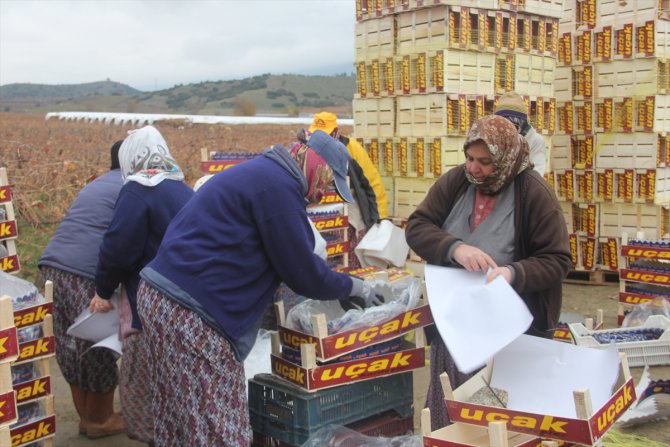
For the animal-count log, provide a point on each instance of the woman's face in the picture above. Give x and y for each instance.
(478, 161)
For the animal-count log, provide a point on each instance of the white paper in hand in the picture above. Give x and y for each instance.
(474, 319)
(96, 326)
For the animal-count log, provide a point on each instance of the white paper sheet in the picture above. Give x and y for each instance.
(475, 319)
(111, 342)
(540, 375)
(96, 326)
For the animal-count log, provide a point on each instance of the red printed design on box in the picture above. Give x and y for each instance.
(9, 344)
(10, 264)
(421, 72)
(8, 230)
(572, 239)
(35, 349)
(337, 249)
(32, 315)
(388, 156)
(331, 223)
(33, 389)
(650, 41)
(634, 298)
(402, 156)
(610, 253)
(7, 408)
(327, 376)
(643, 252)
(34, 431)
(419, 157)
(436, 157)
(390, 86)
(404, 75)
(331, 197)
(644, 276)
(5, 194)
(375, 78)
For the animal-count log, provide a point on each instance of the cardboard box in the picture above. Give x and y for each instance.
(587, 428)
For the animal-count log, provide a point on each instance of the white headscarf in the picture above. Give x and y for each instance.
(145, 158)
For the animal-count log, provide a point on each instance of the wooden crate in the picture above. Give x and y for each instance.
(629, 150)
(609, 249)
(564, 184)
(533, 75)
(388, 183)
(572, 151)
(422, 30)
(644, 186)
(639, 77)
(618, 218)
(458, 71)
(564, 81)
(374, 117)
(612, 12)
(408, 193)
(374, 38)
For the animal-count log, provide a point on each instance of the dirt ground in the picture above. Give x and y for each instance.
(582, 299)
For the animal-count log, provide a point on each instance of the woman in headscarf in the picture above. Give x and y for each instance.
(493, 212)
(152, 194)
(220, 263)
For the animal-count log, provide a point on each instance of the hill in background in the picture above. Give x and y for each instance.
(259, 95)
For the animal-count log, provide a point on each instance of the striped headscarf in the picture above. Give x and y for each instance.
(317, 172)
(509, 152)
(145, 158)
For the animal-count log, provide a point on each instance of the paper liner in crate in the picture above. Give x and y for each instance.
(335, 333)
(648, 344)
(555, 390)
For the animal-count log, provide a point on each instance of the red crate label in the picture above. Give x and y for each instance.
(375, 78)
(606, 185)
(331, 223)
(362, 80)
(373, 150)
(438, 71)
(436, 157)
(572, 239)
(390, 86)
(326, 376)
(540, 114)
(649, 107)
(402, 156)
(462, 114)
(36, 348)
(590, 220)
(588, 117)
(511, 40)
(589, 253)
(404, 75)
(607, 42)
(5, 194)
(331, 197)
(465, 27)
(643, 276)
(33, 389)
(32, 315)
(388, 156)
(10, 264)
(552, 427)
(603, 420)
(419, 157)
(218, 166)
(650, 40)
(627, 37)
(586, 47)
(589, 12)
(8, 230)
(610, 253)
(7, 408)
(643, 252)
(9, 345)
(552, 115)
(337, 249)
(634, 298)
(34, 431)
(483, 29)
(421, 72)
(498, 31)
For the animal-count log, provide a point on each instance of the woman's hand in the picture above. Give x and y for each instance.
(99, 305)
(504, 271)
(473, 259)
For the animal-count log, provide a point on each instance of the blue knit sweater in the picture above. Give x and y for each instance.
(140, 219)
(226, 252)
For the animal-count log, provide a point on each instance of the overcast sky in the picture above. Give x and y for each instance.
(151, 44)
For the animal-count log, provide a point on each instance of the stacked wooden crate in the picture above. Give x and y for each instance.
(610, 157)
(26, 398)
(359, 377)
(9, 260)
(426, 70)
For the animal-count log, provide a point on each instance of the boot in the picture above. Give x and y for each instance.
(79, 399)
(101, 420)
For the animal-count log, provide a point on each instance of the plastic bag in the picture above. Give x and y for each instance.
(340, 436)
(399, 297)
(24, 294)
(383, 244)
(640, 313)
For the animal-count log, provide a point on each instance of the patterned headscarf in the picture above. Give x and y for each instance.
(145, 158)
(317, 172)
(509, 152)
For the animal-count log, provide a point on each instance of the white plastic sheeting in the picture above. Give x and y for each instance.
(150, 118)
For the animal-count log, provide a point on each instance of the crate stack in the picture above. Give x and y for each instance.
(360, 378)
(610, 157)
(329, 216)
(426, 70)
(27, 414)
(9, 260)
(644, 274)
